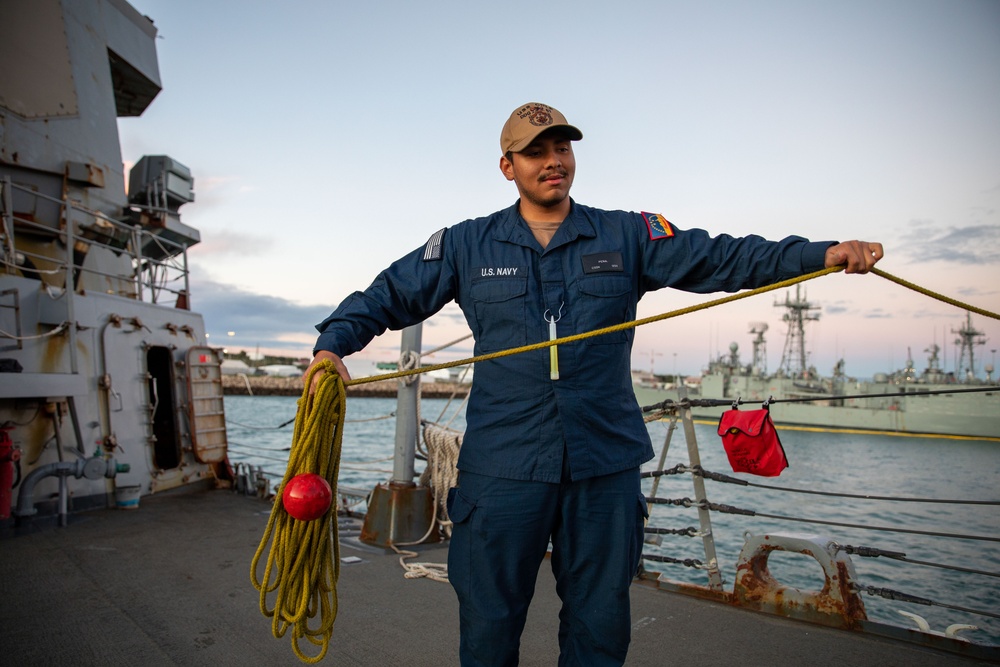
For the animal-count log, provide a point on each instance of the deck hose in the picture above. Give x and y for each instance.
(303, 562)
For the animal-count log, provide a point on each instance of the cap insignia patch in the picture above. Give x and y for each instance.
(537, 114)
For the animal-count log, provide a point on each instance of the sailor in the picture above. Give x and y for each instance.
(554, 440)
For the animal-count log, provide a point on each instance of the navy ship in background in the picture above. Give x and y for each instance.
(931, 401)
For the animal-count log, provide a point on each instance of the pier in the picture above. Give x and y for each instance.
(265, 385)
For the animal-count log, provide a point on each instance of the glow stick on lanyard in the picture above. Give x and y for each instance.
(553, 354)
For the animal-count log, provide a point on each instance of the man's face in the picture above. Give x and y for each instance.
(543, 171)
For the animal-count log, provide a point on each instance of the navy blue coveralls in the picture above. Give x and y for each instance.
(544, 459)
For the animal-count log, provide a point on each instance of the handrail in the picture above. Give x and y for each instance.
(149, 275)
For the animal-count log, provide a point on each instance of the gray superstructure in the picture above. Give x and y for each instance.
(108, 390)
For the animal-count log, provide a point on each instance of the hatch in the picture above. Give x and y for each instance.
(207, 412)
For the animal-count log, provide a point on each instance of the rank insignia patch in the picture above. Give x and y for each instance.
(659, 227)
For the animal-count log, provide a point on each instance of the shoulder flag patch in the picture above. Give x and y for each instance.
(432, 250)
(659, 227)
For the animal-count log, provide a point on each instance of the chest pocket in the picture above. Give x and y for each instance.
(604, 301)
(501, 316)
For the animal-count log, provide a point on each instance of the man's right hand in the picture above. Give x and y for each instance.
(324, 355)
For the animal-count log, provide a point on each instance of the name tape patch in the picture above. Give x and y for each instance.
(659, 227)
(603, 261)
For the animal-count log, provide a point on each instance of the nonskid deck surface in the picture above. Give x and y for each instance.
(168, 584)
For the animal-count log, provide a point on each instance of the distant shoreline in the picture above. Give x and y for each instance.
(264, 385)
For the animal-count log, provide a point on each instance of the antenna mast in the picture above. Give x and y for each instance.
(967, 341)
(759, 364)
(797, 313)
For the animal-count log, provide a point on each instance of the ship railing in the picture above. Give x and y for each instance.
(757, 587)
(153, 268)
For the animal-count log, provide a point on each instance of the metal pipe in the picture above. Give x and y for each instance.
(25, 502)
(406, 411)
(71, 286)
(92, 468)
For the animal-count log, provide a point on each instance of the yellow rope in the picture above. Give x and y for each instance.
(934, 295)
(303, 563)
(664, 316)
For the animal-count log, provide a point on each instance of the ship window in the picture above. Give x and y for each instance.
(163, 408)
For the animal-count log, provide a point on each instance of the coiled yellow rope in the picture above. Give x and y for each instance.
(303, 562)
(304, 556)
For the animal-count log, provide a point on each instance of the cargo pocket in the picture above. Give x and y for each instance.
(460, 549)
(459, 509)
(638, 539)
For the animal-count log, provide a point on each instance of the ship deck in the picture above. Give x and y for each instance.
(168, 584)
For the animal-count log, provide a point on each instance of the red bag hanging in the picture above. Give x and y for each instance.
(752, 443)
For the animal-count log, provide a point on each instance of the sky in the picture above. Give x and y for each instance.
(329, 138)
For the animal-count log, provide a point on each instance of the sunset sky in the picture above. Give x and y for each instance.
(329, 138)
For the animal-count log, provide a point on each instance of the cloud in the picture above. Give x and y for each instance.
(925, 241)
(216, 191)
(256, 320)
(981, 291)
(240, 244)
(274, 325)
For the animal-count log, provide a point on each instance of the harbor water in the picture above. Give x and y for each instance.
(834, 463)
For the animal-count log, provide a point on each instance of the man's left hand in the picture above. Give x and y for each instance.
(859, 256)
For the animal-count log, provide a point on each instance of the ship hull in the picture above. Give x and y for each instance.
(907, 410)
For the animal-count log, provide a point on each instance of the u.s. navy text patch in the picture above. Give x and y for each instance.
(659, 227)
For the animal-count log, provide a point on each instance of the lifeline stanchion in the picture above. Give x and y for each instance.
(303, 562)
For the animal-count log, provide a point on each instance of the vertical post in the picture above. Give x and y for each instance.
(7, 197)
(406, 410)
(704, 517)
(401, 512)
(135, 245)
(70, 285)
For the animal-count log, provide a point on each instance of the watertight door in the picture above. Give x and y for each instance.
(207, 414)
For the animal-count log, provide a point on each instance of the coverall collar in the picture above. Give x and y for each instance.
(513, 228)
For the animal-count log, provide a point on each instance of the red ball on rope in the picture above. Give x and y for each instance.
(307, 496)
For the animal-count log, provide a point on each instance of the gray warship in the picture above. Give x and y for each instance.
(109, 391)
(121, 546)
(908, 401)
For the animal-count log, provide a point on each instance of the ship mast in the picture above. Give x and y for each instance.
(967, 340)
(797, 313)
(759, 364)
